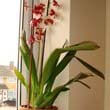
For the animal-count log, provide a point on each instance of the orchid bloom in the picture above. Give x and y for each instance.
(31, 39)
(39, 9)
(39, 34)
(55, 3)
(48, 21)
(52, 12)
(35, 22)
(39, 20)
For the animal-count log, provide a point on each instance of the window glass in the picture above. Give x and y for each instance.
(9, 29)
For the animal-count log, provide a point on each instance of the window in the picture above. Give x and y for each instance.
(1, 80)
(12, 80)
(9, 29)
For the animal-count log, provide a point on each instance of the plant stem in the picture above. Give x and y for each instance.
(43, 43)
(39, 59)
(30, 70)
(30, 66)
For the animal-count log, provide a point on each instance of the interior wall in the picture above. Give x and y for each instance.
(88, 23)
(107, 83)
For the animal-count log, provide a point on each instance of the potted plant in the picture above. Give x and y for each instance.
(40, 90)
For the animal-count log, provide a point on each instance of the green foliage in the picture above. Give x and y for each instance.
(59, 68)
(21, 78)
(25, 52)
(79, 77)
(43, 94)
(53, 58)
(49, 100)
(91, 68)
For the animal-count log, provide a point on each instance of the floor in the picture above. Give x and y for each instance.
(7, 108)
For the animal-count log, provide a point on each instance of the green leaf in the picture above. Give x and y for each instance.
(54, 57)
(78, 77)
(84, 84)
(91, 68)
(26, 59)
(86, 45)
(25, 52)
(23, 42)
(39, 100)
(64, 62)
(82, 76)
(59, 68)
(52, 97)
(50, 65)
(21, 78)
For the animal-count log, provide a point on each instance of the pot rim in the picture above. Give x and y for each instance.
(47, 108)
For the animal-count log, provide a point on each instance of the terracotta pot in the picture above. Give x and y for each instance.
(49, 108)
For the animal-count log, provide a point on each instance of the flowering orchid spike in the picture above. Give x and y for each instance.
(39, 34)
(55, 3)
(48, 21)
(31, 39)
(52, 12)
(35, 22)
(39, 9)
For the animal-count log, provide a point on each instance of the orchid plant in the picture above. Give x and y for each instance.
(40, 89)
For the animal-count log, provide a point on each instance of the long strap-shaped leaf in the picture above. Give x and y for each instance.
(91, 68)
(21, 78)
(59, 68)
(23, 42)
(64, 62)
(53, 58)
(85, 45)
(63, 88)
(84, 84)
(53, 95)
(25, 55)
(78, 78)
(49, 66)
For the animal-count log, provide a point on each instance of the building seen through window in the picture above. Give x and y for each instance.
(7, 85)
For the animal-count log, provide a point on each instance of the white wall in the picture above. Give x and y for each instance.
(88, 23)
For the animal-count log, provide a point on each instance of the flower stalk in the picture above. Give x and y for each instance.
(43, 42)
(30, 71)
(30, 66)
